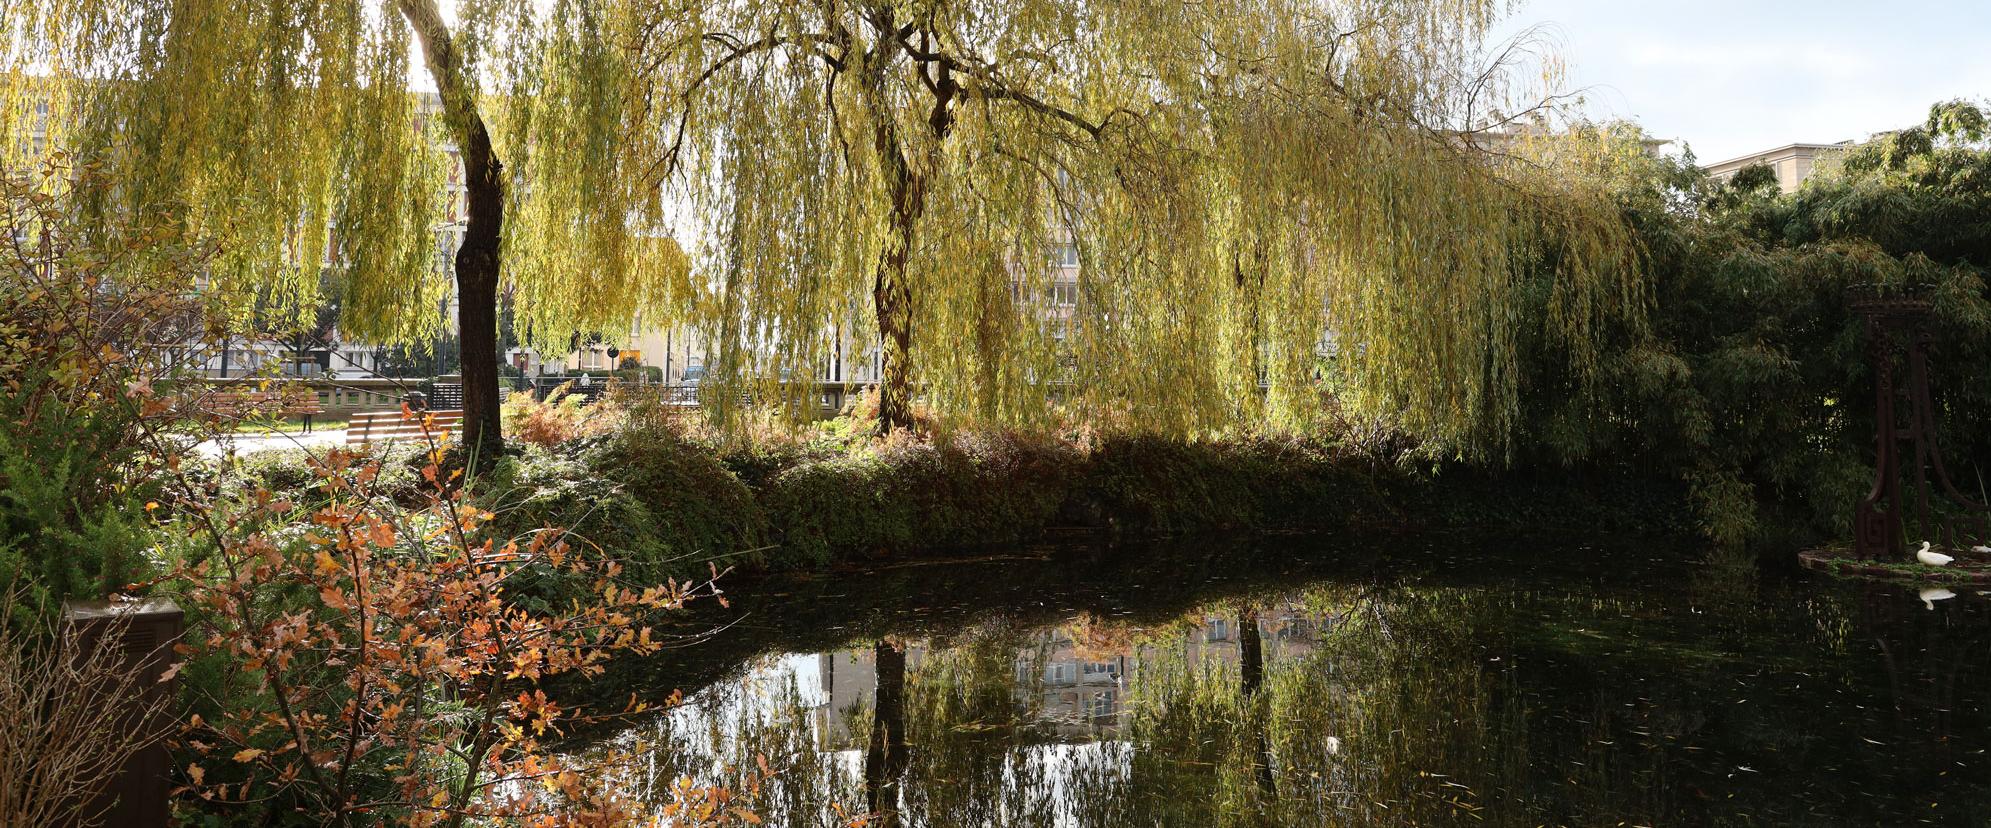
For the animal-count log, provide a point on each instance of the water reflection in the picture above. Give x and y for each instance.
(1554, 691)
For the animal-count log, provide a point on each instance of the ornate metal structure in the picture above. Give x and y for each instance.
(1905, 418)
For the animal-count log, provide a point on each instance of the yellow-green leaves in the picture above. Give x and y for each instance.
(1261, 197)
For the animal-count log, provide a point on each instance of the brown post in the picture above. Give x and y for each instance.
(147, 630)
(1907, 416)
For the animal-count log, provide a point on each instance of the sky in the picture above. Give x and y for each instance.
(1737, 77)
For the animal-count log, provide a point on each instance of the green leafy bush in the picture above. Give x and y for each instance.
(1752, 391)
(703, 511)
(85, 395)
(968, 489)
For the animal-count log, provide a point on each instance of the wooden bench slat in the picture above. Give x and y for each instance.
(386, 426)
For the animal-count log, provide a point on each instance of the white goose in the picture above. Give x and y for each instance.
(1932, 558)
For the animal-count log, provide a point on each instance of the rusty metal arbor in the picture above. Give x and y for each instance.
(1907, 451)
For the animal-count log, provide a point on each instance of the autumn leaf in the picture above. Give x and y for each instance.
(333, 598)
(247, 754)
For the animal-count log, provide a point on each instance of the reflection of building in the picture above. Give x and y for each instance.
(1793, 163)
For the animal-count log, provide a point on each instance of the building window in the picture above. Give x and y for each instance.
(1064, 254)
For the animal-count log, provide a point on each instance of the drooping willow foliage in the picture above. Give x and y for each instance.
(309, 135)
(1267, 198)
(1279, 195)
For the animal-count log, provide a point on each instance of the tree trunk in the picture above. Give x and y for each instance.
(477, 295)
(893, 300)
(891, 294)
(477, 259)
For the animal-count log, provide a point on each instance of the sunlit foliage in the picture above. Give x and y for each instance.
(1244, 184)
(1267, 196)
(301, 136)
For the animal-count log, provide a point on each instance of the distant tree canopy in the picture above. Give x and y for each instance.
(1247, 187)
(1755, 385)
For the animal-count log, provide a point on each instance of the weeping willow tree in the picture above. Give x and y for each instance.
(383, 138)
(1264, 197)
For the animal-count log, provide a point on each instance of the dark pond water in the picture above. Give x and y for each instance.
(1307, 681)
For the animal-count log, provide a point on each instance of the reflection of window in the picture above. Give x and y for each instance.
(1093, 668)
(1061, 673)
(1220, 630)
(1099, 704)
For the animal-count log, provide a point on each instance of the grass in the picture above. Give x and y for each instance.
(291, 425)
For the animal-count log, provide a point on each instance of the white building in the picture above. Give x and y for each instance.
(1793, 163)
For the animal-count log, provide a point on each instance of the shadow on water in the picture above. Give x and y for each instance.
(1309, 681)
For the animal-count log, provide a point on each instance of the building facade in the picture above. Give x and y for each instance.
(1793, 163)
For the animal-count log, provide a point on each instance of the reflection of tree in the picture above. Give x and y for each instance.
(885, 760)
(1529, 703)
(1927, 655)
(1251, 676)
(981, 754)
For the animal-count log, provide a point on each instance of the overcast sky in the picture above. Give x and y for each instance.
(1734, 77)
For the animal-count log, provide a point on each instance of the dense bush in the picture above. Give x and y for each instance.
(84, 397)
(1153, 484)
(906, 495)
(703, 511)
(1753, 388)
(658, 502)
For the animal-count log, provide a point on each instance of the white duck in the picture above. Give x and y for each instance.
(1930, 595)
(1932, 558)
(1981, 549)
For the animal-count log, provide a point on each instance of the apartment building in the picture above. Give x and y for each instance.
(1793, 163)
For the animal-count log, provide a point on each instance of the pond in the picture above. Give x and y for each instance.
(1338, 681)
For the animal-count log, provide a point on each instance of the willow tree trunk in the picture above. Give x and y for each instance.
(891, 295)
(477, 294)
(892, 298)
(477, 258)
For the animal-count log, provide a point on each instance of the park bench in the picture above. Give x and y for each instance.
(241, 405)
(388, 426)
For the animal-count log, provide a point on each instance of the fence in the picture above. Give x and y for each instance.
(345, 397)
